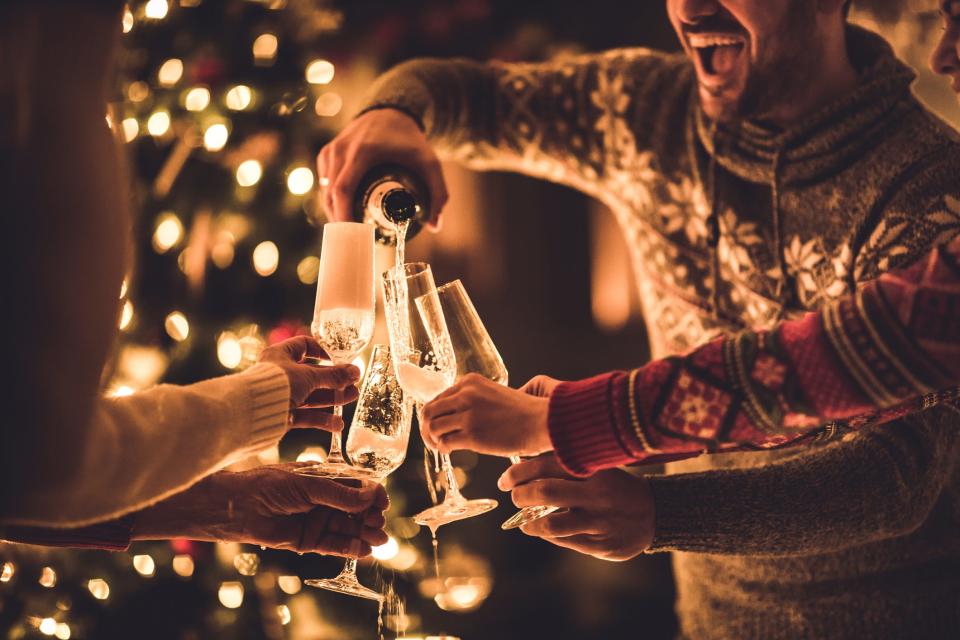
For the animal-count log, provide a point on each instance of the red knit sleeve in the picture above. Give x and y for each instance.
(891, 349)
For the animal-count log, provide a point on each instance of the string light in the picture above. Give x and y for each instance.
(6, 574)
(266, 257)
(183, 565)
(158, 123)
(222, 252)
(215, 137)
(156, 9)
(177, 326)
(197, 99)
(265, 47)
(239, 97)
(308, 270)
(249, 173)
(99, 588)
(48, 577)
(131, 128)
(328, 104)
(127, 20)
(144, 565)
(246, 564)
(283, 612)
(320, 72)
(48, 626)
(229, 352)
(386, 551)
(63, 631)
(138, 91)
(170, 72)
(300, 181)
(231, 594)
(290, 585)
(168, 232)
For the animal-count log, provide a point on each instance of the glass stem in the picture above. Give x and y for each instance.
(453, 487)
(349, 569)
(335, 454)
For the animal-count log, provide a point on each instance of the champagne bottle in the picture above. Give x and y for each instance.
(389, 195)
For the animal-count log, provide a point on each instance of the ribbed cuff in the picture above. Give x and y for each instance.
(111, 536)
(682, 516)
(269, 406)
(582, 426)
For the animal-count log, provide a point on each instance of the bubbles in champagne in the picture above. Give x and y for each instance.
(343, 332)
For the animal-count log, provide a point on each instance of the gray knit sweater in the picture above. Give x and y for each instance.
(740, 226)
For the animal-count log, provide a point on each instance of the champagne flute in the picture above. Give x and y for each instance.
(377, 442)
(426, 366)
(476, 353)
(343, 316)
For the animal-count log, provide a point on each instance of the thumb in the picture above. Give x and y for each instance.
(330, 493)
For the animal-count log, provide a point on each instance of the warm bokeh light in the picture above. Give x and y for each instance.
(320, 72)
(308, 270)
(388, 550)
(177, 326)
(265, 47)
(131, 128)
(231, 594)
(246, 564)
(239, 97)
(266, 258)
(249, 173)
(405, 559)
(126, 316)
(63, 631)
(300, 181)
(48, 626)
(312, 454)
(6, 573)
(138, 91)
(156, 9)
(158, 123)
(48, 577)
(170, 72)
(283, 612)
(144, 565)
(127, 20)
(99, 588)
(222, 253)
(197, 99)
(183, 565)
(215, 137)
(168, 232)
(229, 352)
(121, 391)
(328, 104)
(290, 585)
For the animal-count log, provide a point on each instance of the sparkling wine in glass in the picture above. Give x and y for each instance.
(377, 442)
(343, 316)
(476, 353)
(426, 365)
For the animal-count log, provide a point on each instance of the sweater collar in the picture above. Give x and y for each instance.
(824, 142)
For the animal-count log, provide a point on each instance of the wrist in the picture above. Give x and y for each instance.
(197, 513)
(540, 442)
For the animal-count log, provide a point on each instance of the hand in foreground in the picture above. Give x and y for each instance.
(312, 387)
(273, 507)
(483, 416)
(609, 515)
(377, 137)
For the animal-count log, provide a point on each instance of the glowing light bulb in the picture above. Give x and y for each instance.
(158, 123)
(197, 99)
(290, 585)
(48, 577)
(63, 631)
(265, 47)
(266, 257)
(156, 9)
(312, 454)
(144, 565)
(300, 181)
(387, 551)
(168, 232)
(222, 254)
(328, 104)
(99, 588)
(246, 564)
(308, 270)
(127, 20)
(229, 351)
(177, 326)
(215, 137)
(131, 128)
(138, 91)
(6, 574)
(231, 594)
(320, 72)
(183, 565)
(239, 97)
(48, 626)
(283, 612)
(170, 72)
(249, 173)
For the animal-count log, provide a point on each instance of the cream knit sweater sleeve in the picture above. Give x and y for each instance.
(139, 449)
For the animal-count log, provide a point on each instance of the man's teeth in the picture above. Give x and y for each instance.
(700, 41)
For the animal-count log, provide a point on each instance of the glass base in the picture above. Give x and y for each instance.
(453, 510)
(345, 584)
(337, 470)
(525, 515)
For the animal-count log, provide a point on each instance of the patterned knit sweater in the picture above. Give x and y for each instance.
(737, 227)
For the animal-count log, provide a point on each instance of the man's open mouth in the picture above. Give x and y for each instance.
(717, 54)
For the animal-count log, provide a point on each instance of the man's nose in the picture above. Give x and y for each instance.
(944, 59)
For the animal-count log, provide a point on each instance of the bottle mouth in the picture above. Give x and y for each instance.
(399, 205)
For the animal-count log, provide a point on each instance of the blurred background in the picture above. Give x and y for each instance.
(222, 106)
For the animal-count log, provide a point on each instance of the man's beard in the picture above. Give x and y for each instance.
(785, 70)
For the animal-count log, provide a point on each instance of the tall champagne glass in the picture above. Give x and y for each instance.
(377, 442)
(343, 316)
(426, 366)
(475, 353)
